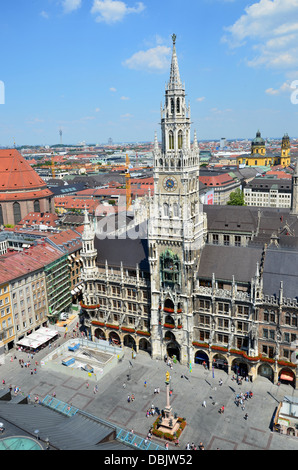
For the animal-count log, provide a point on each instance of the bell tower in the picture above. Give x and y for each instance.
(177, 225)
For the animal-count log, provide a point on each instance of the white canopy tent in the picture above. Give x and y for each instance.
(37, 338)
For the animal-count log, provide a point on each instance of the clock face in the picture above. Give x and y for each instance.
(170, 184)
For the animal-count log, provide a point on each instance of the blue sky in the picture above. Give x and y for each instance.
(97, 68)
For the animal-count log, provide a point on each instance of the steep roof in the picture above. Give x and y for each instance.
(68, 240)
(16, 174)
(281, 265)
(127, 250)
(240, 262)
(217, 180)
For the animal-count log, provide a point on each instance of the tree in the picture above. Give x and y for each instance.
(236, 198)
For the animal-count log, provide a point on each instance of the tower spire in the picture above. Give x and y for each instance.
(175, 81)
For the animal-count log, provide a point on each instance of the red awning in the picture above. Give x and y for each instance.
(286, 377)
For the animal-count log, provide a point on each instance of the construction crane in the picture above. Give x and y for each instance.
(53, 166)
(127, 183)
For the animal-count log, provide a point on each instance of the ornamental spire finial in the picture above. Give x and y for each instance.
(174, 74)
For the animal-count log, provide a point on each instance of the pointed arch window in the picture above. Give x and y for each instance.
(178, 105)
(166, 209)
(176, 210)
(171, 140)
(172, 105)
(180, 139)
(36, 206)
(16, 213)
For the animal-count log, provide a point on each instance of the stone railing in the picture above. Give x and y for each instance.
(222, 293)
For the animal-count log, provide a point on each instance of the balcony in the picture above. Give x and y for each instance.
(90, 307)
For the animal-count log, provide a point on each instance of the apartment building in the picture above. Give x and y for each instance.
(70, 243)
(6, 318)
(268, 192)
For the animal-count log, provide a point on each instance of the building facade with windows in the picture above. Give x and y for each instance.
(37, 281)
(6, 318)
(268, 192)
(213, 284)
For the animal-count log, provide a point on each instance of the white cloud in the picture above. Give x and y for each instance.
(71, 5)
(112, 11)
(271, 91)
(155, 59)
(113, 89)
(270, 27)
(44, 14)
(284, 88)
(200, 98)
(124, 98)
(126, 116)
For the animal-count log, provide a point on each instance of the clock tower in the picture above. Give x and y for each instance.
(177, 225)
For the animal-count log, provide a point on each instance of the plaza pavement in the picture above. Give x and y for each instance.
(229, 431)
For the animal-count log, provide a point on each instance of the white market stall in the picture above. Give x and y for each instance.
(38, 338)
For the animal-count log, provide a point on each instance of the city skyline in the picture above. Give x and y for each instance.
(95, 69)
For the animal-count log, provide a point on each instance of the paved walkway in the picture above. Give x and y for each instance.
(228, 431)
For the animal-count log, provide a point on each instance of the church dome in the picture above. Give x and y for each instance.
(16, 174)
(258, 140)
(21, 189)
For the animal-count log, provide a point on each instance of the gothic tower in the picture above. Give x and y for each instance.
(88, 255)
(177, 225)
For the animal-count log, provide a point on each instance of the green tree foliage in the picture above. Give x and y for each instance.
(236, 198)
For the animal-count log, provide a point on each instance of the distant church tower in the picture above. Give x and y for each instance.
(177, 225)
(285, 158)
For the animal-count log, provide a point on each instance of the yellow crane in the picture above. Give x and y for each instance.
(127, 183)
(53, 165)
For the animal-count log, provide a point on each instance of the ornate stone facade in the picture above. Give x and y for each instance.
(175, 291)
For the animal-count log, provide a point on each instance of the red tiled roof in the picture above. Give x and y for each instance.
(70, 202)
(16, 174)
(116, 191)
(24, 195)
(44, 218)
(68, 239)
(219, 180)
(14, 265)
(279, 174)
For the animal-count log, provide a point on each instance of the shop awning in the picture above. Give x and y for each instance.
(285, 376)
(36, 339)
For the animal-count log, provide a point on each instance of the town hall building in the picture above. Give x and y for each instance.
(213, 284)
